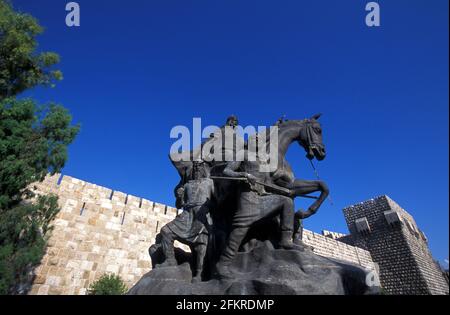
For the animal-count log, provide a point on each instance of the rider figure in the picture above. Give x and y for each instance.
(255, 204)
(225, 140)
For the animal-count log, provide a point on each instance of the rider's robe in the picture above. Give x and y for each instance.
(256, 204)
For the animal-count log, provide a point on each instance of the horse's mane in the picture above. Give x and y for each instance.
(290, 123)
(282, 125)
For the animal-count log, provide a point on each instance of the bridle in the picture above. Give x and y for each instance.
(311, 144)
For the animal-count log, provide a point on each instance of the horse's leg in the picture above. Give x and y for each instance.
(302, 187)
(298, 230)
(287, 223)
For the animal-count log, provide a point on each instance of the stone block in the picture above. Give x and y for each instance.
(113, 269)
(39, 279)
(43, 290)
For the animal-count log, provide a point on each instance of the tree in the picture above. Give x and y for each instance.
(108, 285)
(23, 235)
(21, 67)
(33, 143)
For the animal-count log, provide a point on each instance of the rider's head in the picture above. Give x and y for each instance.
(199, 170)
(232, 121)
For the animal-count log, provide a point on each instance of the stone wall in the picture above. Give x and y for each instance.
(326, 246)
(100, 231)
(397, 245)
(97, 231)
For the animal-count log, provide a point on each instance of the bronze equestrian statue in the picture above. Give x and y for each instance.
(240, 222)
(259, 196)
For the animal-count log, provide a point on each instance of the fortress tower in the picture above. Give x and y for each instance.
(397, 245)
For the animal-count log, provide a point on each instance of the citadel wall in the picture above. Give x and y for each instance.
(97, 231)
(326, 246)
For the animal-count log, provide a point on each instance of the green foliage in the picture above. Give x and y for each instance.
(23, 234)
(21, 67)
(33, 142)
(108, 285)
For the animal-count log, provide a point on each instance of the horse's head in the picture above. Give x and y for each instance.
(310, 138)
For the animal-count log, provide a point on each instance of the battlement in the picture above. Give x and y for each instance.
(67, 186)
(333, 235)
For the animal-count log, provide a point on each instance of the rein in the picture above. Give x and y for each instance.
(318, 178)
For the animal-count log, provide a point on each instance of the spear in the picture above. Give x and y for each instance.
(273, 187)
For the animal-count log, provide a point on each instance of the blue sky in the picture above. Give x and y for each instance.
(135, 69)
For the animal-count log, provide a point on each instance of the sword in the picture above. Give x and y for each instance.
(274, 187)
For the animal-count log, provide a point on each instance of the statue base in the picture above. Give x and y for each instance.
(264, 271)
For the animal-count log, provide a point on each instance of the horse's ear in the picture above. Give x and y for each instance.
(316, 116)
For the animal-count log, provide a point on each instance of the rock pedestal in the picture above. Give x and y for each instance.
(263, 271)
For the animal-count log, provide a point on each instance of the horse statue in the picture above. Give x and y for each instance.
(308, 133)
(236, 200)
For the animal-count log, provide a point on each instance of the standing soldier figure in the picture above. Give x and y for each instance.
(192, 226)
